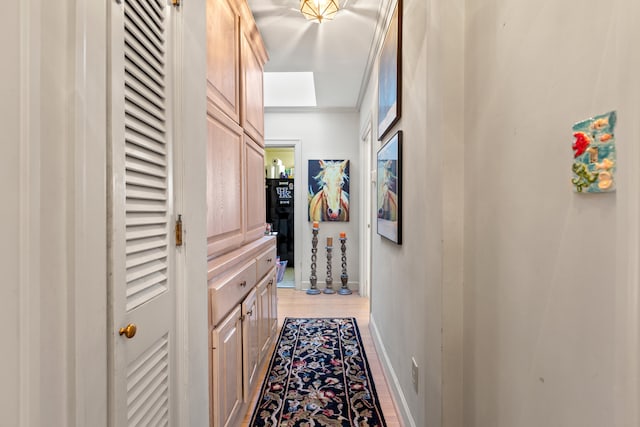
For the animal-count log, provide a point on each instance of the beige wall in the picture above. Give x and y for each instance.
(53, 298)
(549, 304)
(413, 314)
(551, 287)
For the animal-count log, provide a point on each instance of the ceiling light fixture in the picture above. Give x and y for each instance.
(319, 10)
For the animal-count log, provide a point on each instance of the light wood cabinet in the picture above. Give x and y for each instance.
(266, 298)
(266, 261)
(273, 301)
(239, 256)
(229, 289)
(235, 201)
(255, 192)
(241, 293)
(226, 361)
(225, 184)
(250, 338)
(223, 57)
(235, 119)
(252, 88)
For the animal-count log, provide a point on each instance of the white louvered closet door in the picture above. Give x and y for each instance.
(142, 293)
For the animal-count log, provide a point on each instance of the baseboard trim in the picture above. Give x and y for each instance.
(392, 379)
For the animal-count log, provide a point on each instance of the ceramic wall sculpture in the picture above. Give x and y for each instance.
(594, 153)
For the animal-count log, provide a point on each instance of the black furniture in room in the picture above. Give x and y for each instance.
(280, 214)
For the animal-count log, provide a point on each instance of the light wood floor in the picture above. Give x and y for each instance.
(292, 303)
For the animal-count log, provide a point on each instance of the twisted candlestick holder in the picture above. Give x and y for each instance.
(329, 280)
(314, 250)
(344, 278)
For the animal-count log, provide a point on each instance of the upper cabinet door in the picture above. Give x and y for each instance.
(255, 192)
(223, 70)
(225, 186)
(252, 91)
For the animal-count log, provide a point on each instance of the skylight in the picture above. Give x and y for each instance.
(289, 90)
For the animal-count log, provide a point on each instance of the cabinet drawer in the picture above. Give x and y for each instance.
(266, 261)
(229, 290)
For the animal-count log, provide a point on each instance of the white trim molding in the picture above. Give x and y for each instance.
(87, 215)
(181, 340)
(366, 141)
(190, 151)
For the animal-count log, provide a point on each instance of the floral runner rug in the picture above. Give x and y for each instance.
(318, 376)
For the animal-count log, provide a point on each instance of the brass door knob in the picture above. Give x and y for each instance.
(129, 331)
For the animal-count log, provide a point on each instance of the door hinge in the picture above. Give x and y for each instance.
(176, 2)
(179, 231)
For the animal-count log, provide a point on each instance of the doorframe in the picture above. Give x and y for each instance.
(177, 161)
(627, 322)
(190, 187)
(87, 202)
(299, 203)
(366, 225)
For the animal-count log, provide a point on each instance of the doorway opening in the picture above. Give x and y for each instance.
(280, 166)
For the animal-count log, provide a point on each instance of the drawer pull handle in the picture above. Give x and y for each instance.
(269, 260)
(243, 283)
(270, 282)
(249, 313)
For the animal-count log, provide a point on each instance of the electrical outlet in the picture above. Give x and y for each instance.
(414, 374)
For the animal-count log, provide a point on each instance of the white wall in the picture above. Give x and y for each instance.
(551, 291)
(328, 136)
(54, 310)
(413, 313)
(550, 277)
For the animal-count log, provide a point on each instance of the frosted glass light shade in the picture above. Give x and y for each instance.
(319, 10)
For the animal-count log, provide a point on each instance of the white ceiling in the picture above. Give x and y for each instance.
(337, 52)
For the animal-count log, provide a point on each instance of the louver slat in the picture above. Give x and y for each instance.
(147, 233)
(146, 163)
(147, 385)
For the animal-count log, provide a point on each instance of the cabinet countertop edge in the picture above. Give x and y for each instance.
(222, 263)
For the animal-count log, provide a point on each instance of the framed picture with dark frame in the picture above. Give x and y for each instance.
(389, 189)
(390, 75)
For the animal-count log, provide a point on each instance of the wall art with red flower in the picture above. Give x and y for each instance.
(594, 154)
